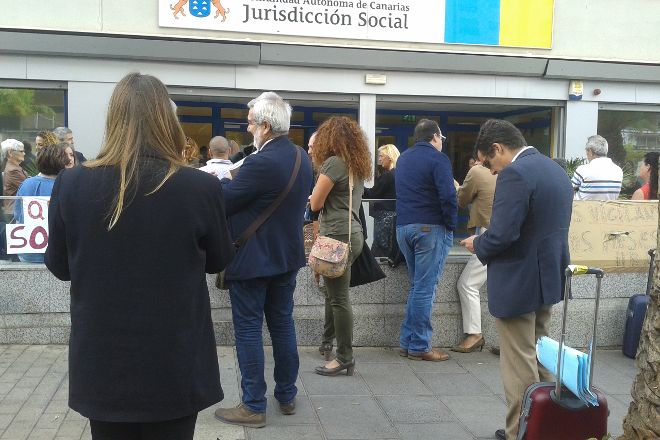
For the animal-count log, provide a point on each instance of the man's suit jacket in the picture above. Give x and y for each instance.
(526, 246)
(478, 189)
(278, 245)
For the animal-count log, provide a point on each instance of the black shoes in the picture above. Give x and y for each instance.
(348, 366)
(288, 408)
(500, 435)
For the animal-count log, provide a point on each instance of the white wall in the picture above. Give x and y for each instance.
(88, 104)
(581, 122)
(583, 29)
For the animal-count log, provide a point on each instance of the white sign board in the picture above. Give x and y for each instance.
(31, 236)
(514, 23)
(390, 20)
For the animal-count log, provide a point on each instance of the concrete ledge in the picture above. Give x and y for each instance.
(34, 309)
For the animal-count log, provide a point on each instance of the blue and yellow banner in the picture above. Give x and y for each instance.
(519, 23)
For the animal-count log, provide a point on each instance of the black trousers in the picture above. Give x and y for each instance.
(177, 429)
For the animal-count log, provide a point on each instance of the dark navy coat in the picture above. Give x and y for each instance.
(142, 346)
(526, 246)
(278, 245)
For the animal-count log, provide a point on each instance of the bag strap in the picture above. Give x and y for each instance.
(247, 233)
(350, 205)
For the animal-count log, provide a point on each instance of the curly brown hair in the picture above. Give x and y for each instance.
(191, 151)
(342, 137)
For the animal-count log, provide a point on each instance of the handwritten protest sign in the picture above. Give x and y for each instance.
(615, 236)
(31, 236)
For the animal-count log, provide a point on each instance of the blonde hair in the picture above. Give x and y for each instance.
(140, 121)
(391, 151)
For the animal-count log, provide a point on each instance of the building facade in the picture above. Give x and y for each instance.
(387, 63)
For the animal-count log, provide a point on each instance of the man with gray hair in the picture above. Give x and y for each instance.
(271, 185)
(219, 164)
(64, 134)
(600, 179)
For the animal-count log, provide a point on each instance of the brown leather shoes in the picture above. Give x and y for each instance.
(403, 352)
(242, 416)
(433, 356)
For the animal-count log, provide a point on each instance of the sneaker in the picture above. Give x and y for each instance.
(433, 356)
(242, 416)
(288, 408)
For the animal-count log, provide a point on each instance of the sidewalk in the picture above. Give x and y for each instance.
(388, 398)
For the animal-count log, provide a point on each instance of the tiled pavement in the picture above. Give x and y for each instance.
(388, 398)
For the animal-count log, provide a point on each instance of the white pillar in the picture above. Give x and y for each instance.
(368, 123)
(87, 104)
(581, 122)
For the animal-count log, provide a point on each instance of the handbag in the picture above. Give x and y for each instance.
(365, 269)
(220, 281)
(329, 257)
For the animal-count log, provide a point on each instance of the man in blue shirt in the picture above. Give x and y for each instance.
(426, 209)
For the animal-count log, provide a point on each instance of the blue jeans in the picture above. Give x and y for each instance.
(425, 248)
(251, 300)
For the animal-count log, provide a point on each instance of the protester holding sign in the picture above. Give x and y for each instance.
(135, 242)
(50, 161)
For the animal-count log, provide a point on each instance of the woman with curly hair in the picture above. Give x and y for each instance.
(191, 152)
(340, 151)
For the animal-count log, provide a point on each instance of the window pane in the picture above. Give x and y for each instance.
(629, 136)
(193, 111)
(25, 112)
(234, 113)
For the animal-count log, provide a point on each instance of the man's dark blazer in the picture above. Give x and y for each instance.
(526, 246)
(278, 245)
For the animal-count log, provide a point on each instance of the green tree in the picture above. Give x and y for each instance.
(20, 103)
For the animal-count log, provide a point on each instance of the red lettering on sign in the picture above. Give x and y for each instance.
(39, 230)
(39, 212)
(16, 237)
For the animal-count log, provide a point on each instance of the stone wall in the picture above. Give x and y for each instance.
(34, 308)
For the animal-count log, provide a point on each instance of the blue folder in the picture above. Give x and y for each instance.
(575, 367)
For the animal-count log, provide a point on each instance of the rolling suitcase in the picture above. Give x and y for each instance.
(550, 411)
(637, 305)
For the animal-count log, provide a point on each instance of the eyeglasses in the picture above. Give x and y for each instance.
(442, 138)
(485, 159)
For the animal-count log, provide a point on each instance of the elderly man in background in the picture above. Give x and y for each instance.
(262, 276)
(64, 134)
(600, 179)
(477, 192)
(219, 164)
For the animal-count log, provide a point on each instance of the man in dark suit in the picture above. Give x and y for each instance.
(526, 250)
(262, 277)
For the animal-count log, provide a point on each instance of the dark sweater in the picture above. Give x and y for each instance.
(142, 347)
(425, 190)
(383, 188)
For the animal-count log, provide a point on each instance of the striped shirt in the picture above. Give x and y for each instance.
(600, 179)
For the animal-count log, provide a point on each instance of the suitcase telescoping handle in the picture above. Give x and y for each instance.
(570, 272)
(649, 281)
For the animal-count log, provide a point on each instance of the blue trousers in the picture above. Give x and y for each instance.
(425, 248)
(251, 300)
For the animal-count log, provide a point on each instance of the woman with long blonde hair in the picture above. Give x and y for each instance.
(384, 213)
(342, 156)
(135, 243)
